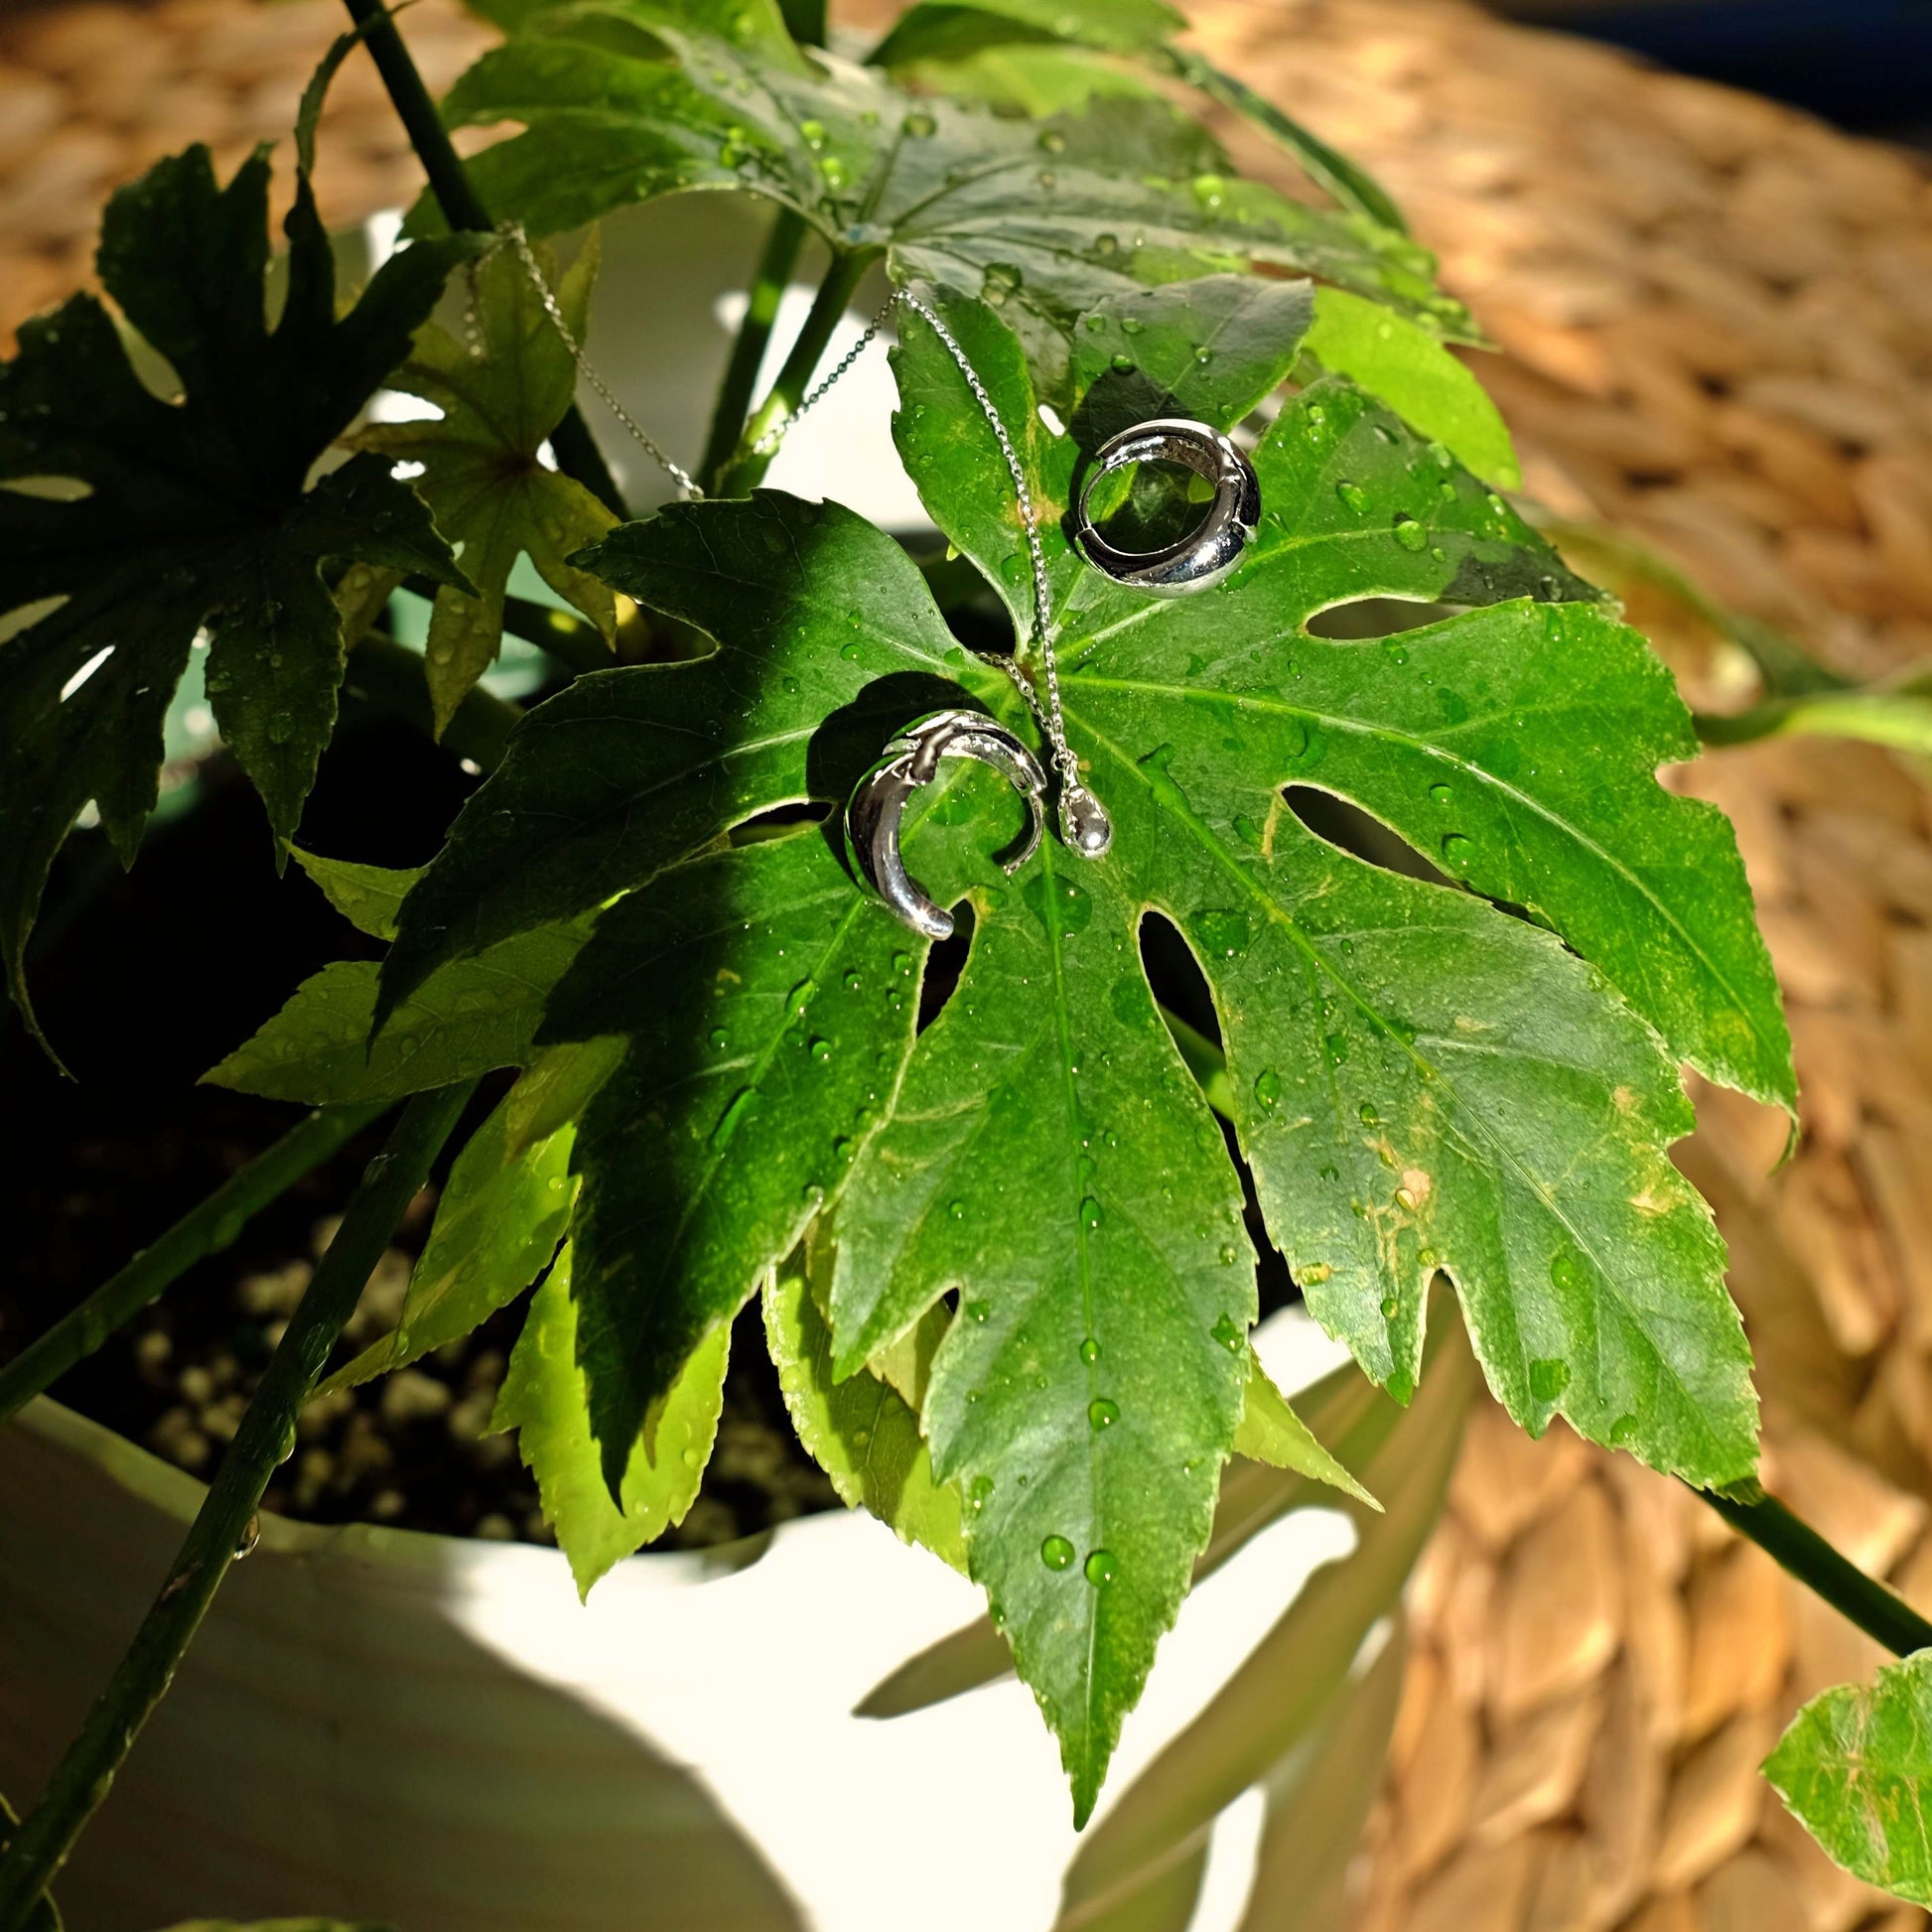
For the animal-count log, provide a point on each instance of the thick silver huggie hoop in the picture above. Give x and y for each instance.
(911, 761)
(1212, 551)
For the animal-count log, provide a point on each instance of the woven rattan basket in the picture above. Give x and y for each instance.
(1716, 314)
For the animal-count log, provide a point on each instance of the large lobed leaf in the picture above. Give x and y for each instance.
(631, 99)
(1421, 1080)
(1856, 1768)
(130, 524)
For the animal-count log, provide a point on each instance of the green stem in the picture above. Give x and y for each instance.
(1799, 1549)
(746, 468)
(266, 1435)
(202, 1231)
(577, 452)
(392, 678)
(768, 285)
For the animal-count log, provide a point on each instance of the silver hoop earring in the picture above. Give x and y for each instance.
(911, 761)
(1198, 561)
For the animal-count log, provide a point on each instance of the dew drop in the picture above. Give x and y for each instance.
(719, 1039)
(1567, 1272)
(1407, 532)
(1396, 653)
(1391, 1307)
(1056, 1553)
(1106, 244)
(1102, 1413)
(957, 1209)
(1441, 793)
(1549, 1378)
(1354, 498)
(1369, 1117)
(1229, 1333)
(1337, 1045)
(821, 1050)
(1458, 849)
(920, 126)
(1121, 362)
(812, 133)
(1090, 1214)
(1102, 1569)
(980, 1493)
(1268, 1089)
(1224, 933)
(977, 1312)
(1132, 325)
(1210, 191)
(1090, 1352)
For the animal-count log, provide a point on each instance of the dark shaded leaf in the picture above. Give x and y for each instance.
(173, 518)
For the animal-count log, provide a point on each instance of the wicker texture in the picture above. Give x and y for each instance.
(1717, 314)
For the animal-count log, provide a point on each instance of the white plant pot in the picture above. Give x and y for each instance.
(433, 1733)
(808, 1730)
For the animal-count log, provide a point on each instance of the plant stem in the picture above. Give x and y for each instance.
(747, 467)
(754, 336)
(265, 1438)
(1800, 1550)
(202, 1231)
(577, 452)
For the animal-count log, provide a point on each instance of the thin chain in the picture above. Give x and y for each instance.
(512, 232)
(776, 434)
(1050, 716)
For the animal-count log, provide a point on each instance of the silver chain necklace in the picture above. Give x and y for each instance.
(1084, 823)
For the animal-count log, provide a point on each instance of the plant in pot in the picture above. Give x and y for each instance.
(1233, 841)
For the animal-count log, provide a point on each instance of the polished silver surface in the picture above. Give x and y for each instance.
(1207, 556)
(911, 762)
(1084, 823)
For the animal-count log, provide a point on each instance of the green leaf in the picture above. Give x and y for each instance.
(1855, 1770)
(628, 772)
(175, 519)
(1210, 349)
(1032, 78)
(368, 897)
(555, 1088)
(1417, 377)
(1418, 1081)
(499, 1220)
(769, 1009)
(1046, 219)
(942, 30)
(862, 1432)
(545, 1400)
(475, 1016)
(1272, 1433)
(491, 496)
(1421, 1080)
(941, 40)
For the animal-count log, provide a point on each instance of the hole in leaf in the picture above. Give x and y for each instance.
(1343, 824)
(944, 962)
(780, 820)
(1179, 985)
(1365, 619)
(1175, 977)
